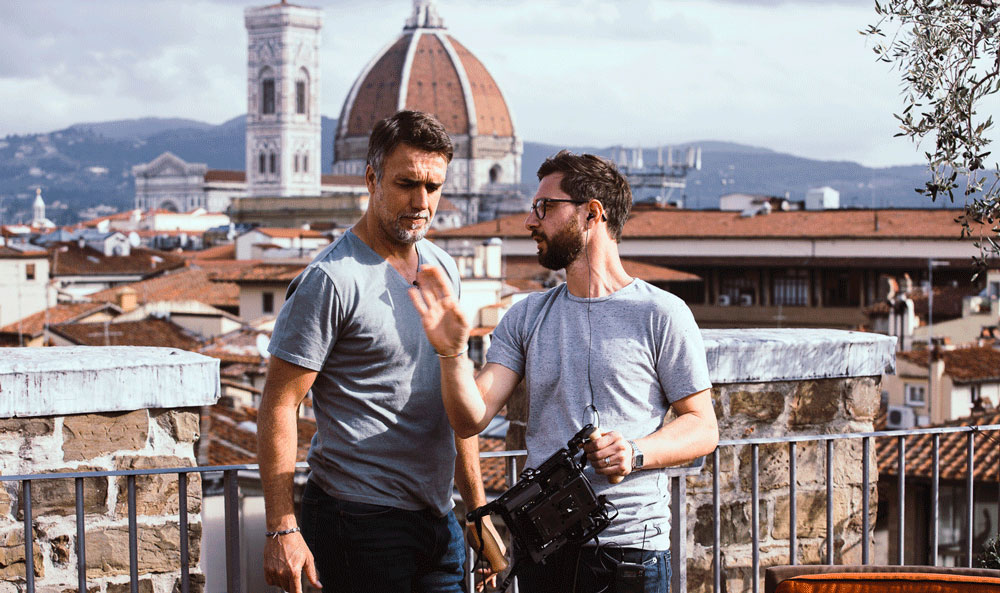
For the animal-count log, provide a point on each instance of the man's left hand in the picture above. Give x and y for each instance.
(610, 454)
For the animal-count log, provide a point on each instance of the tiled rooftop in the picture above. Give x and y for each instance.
(525, 273)
(239, 346)
(953, 452)
(259, 272)
(191, 283)
(284, 233)
(705, 224)
(963, 365)
(33, 325)
(74, 261)
(148, 332)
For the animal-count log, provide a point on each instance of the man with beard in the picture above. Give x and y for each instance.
(602, 345)
(377, 508)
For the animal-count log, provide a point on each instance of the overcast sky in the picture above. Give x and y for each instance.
(793, 76)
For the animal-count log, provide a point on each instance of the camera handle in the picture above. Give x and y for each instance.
(596, 434)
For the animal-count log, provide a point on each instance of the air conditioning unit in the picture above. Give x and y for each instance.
(724, 300)
(900, 417)
(746, 300)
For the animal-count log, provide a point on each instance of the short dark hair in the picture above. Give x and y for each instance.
(589, 177)
(415, 128)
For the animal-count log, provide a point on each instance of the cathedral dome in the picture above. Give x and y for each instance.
(426, 69)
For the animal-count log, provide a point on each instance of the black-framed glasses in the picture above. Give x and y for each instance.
(541, 205)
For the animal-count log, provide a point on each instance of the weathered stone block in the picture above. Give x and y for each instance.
(58, 496)
(196, 583)
(816, 402)
(60, 549)
(5, 501)
(863, 397)
(772, 466)
(735, 526)
(12, 562)
(144, 586)
(86, 436)
(27, 427)
(765, 405)
(156, 494)
(183, 425)
(810, 514)
(159, 550)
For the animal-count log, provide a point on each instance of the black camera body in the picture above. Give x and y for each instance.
(553, 505)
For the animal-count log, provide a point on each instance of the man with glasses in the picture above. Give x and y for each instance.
(602, 348)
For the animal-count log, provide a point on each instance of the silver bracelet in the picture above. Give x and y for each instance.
(276, 534)
(461, 352)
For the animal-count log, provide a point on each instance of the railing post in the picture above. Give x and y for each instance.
(792, 507)
(678, 534)
(935, 496)
(133, 538)
(970, 487)
(866, 449)
(182, 480)
(716, 526)
(829, 502)
(29, 539)
(755, 515)
(232, 521)
(81, 539)
(901, 447)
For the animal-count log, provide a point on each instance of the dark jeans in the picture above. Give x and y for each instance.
(593, 570)
(366, 548)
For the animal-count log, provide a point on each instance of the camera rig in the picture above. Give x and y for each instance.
(551, 506)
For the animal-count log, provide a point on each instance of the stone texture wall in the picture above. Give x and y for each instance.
(773, 383)
(102, 440)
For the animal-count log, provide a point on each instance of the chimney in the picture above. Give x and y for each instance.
(127, 300)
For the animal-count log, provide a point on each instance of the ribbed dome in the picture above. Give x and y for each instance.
(428, 70)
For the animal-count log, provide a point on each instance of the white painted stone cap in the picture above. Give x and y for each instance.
(86, 379)
(792, 354)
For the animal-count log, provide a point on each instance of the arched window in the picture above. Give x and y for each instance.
(296, 163)
(267, 91)
(273, 163)
(261, 163)
(305, 162)
(495, 172)
(302, 92)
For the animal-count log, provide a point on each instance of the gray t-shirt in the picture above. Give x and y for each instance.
(382, 434)
(645, 352)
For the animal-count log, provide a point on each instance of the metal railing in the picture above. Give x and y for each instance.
(866, 528)
(677, 486)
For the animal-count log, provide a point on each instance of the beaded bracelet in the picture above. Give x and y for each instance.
(456, 355)
(275, 534)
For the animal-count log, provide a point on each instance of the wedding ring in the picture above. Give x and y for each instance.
(607, 461)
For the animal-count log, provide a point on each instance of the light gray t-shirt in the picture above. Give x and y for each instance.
(645, 352)
(382, 434)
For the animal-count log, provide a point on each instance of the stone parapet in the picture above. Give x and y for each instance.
(776, 383)
(85, 409)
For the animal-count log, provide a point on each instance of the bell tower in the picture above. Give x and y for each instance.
(283, 118)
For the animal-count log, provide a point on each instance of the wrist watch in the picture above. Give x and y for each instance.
(637, 459)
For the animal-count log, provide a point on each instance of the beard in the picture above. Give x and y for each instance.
(562, 248)
(398, 227)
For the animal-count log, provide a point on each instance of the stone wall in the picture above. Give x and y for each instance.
(771, 383)
(83, 409)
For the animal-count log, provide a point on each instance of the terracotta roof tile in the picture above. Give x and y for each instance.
(74, 261)
(238, 346)
(225, 176)
(217, 252)
(434, 86)
(30, 253)
(192, 283)
(148, 332)
(953, 452)
(963, 365)
(525, 273)
(492, 115)
(713, 224)
(33, 325)
(290, 233)
(378, 93)
(258, 272)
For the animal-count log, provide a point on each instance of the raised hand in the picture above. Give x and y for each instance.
(444, 323)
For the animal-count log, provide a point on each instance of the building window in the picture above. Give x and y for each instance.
(296, 163)
(261, 163)
(915, 395)
(300, 96)
(268, 303)
(305, 162)
(29, 271)
(791, 288)
(267, 96)
(272, 163)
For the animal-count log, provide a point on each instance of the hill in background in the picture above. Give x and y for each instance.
(89, 164)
